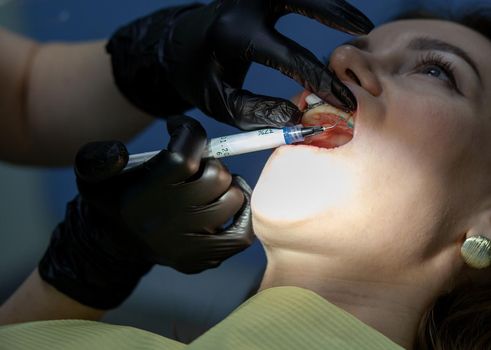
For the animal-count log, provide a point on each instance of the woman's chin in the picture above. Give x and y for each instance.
(288, 197)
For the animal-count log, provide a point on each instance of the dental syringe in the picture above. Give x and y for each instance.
(247, 142)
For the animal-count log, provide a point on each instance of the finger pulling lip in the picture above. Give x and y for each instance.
(343, 94)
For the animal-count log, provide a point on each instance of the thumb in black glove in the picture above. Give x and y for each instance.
(199, 55)
(169, 211)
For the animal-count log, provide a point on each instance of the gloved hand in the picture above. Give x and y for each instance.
(169, 211)
(199, 55)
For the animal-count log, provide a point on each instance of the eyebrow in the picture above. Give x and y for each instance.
(425, 44)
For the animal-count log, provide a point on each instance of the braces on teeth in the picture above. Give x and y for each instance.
(314, 101)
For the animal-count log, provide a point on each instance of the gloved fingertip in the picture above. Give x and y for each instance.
(343, 94)
(243, 219)
(295, 117)
(187, 136)
(332, 90)
(274, 113)
(285, 114)
(98, 161)
(243, 185)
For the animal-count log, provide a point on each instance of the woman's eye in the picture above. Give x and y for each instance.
(435, 66)
(436, 72)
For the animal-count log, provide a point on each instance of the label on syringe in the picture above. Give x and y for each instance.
(247, 142)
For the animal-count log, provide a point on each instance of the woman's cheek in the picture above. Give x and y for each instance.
(431, 128)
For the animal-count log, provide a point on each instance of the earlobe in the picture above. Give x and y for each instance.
(476, 245)
(476, 251)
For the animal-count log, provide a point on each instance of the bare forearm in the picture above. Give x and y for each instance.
(15, 60)
(72, 99)
(64, 97)
(36, 300)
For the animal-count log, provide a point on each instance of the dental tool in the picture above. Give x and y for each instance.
(247, 142)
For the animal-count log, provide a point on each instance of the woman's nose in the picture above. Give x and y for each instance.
(351, 64)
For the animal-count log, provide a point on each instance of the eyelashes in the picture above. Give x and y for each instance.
(435, 60)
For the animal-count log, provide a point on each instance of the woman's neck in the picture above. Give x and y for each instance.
(391, 308)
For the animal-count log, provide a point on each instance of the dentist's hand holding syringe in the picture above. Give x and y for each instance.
(170, 211)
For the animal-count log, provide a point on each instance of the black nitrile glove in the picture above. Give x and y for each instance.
(168, 211)
(199, 55)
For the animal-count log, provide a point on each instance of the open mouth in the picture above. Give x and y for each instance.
(339, 124)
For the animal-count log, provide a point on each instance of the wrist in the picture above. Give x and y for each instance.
(36, 300)
(139, 63)
(89, 261)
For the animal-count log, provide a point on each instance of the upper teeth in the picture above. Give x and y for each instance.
(320, 106)
(313, 99)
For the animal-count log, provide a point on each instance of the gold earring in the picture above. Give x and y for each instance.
(476, 252)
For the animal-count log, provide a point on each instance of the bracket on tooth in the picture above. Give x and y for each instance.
(313, 101)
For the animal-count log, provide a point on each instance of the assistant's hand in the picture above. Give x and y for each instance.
(169, 211)
(199, 55)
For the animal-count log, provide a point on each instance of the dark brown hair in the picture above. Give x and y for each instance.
(461, 319)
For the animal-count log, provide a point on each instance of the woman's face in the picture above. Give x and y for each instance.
(416, 170)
